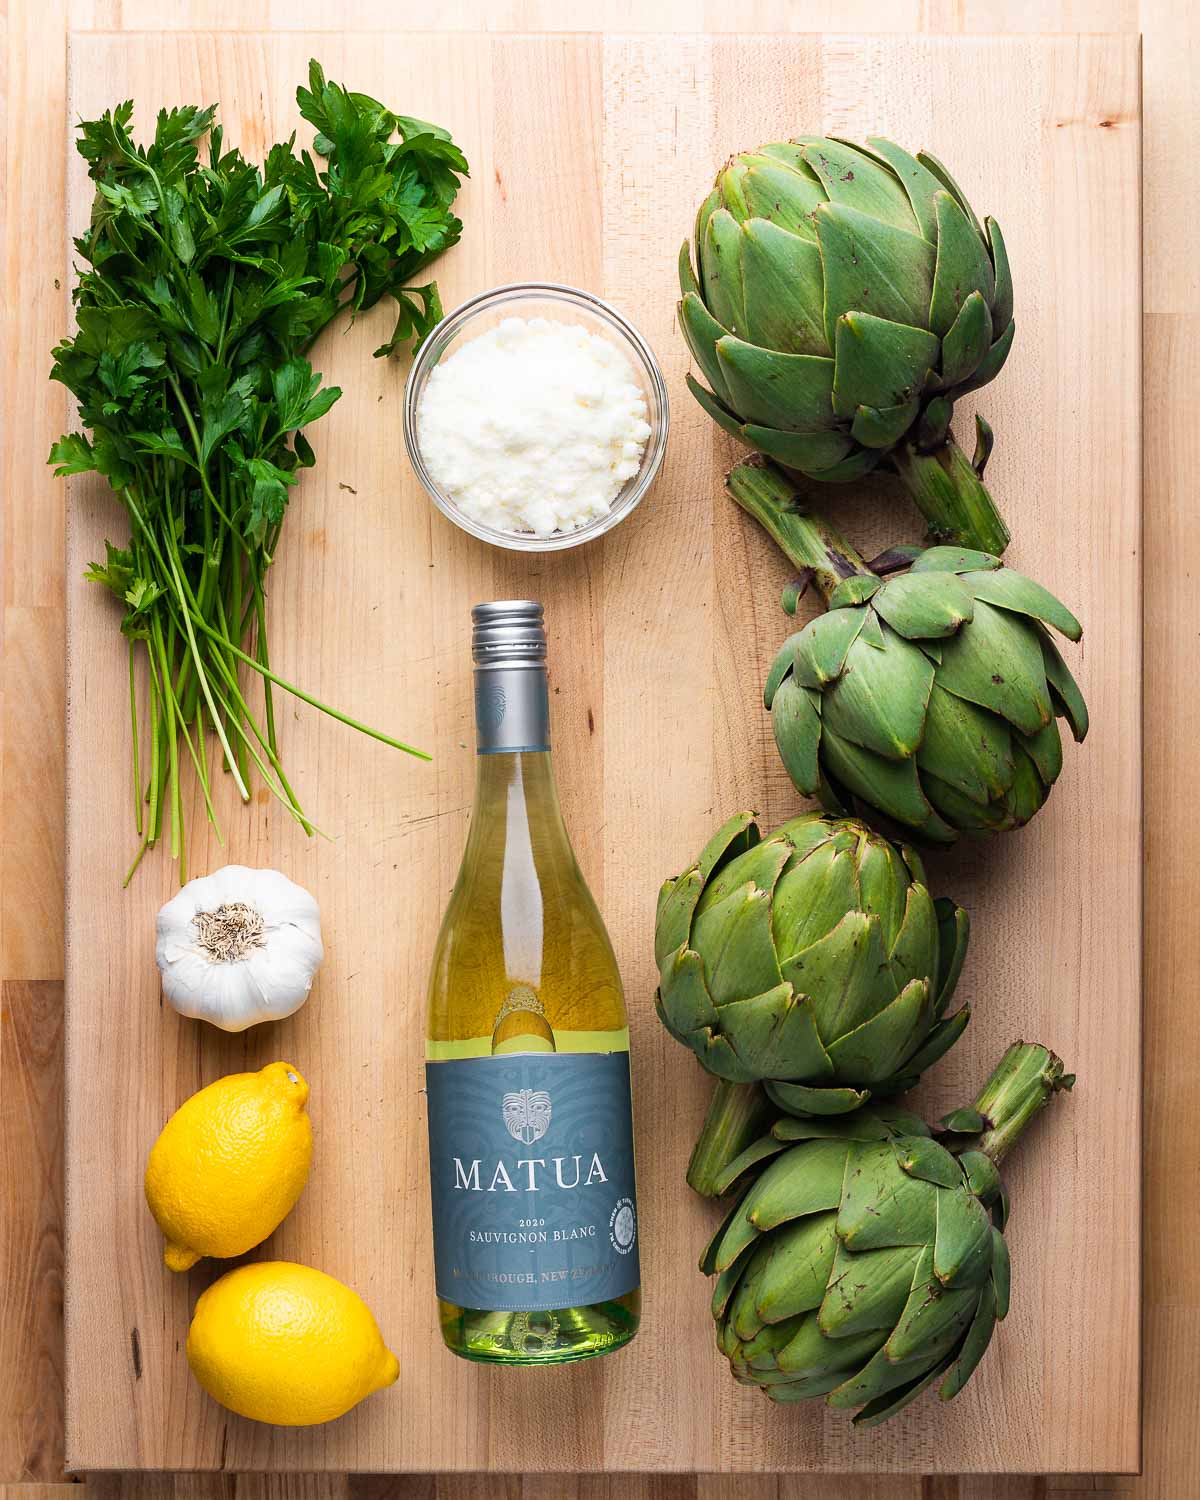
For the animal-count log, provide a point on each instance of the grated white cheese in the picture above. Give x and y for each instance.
(534, 426)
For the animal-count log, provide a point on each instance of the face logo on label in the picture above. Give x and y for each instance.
(490, 704)
(527, 1115)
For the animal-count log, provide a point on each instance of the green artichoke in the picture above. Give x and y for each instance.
(842, 298)
(866, 1259)
(932, 697)
(814, 960)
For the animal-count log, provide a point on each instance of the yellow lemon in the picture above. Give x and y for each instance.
(286, 1344)
(230, 1164)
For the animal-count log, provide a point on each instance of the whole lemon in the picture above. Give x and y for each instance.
(230, 1164)
(286, 1344)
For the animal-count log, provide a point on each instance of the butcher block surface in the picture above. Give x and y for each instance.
(588, 156)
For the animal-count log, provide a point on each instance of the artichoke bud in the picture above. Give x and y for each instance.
(865, 1260)
(813, 960)
(932, 697)
(839, 300)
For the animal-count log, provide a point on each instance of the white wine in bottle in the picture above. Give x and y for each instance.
(535, 1225)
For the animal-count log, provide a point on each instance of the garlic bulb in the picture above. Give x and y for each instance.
(239, 947)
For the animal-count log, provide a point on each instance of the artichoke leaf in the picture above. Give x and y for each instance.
(968, 340)
(924, 606)
(783, 197)
(939, 1041)
(934, 1322)
(997, 664)
(854, 590)
(963, 813)
(796, 724)
(687, 272)
(720, 254)
(784, 290)
(803, 1099)
(1008, 589)
(920, 185)
(891, 786)
(820, 649)
(1068, 699)
(861, 461)
(1027, 795)
(873, 1052)
(867, 1290)
(811, 453)
(742, 1314)
(676, 903)
(873, 268)
(954, 932)
(753, 1156)
(884, 426)
(990, 365)
(811, 1357)
(880, 699)
(1001, 1270)
(781, 668)
(879, 362)
(852, 178)
(882, 1205)
(963, 265)
(734, 837)
(774, 1035)
(973, 1347)
(967, 747)
(879, 1123)
(705, 212)
(885, 887)
(1045, 750)
(882, 1408)
(792, 392)
(843, 977)
(914, 950)
(723, 418)
(703, 332)
(761, 863)
(684, 1001)
(982, 1176)
(928, 1160)
(953, 560)
(733, 935)
(805, 1180)
(962, 1246)
(938, 170)
(812, 896)
(795, 1265)
(1002, 303)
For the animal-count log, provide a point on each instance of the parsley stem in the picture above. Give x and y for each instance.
(290, 687)
(133, 715)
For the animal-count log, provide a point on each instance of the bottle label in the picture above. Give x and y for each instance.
(531, 1158)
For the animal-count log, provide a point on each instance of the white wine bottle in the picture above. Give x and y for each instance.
(535, 1225)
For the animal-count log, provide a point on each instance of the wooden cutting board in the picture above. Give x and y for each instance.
(588, 157)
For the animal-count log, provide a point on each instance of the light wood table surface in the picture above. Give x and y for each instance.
(31, 788)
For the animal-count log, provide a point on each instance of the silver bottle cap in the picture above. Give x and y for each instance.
(508, 633)
(512, 710)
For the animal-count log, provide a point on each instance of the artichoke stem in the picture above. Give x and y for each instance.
(1028, 1077)
(949, 493)
(807, 539)
(738, 1114)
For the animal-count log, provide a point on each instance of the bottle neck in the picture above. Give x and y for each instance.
(512, 709)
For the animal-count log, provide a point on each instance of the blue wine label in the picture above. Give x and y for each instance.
(531, 1159)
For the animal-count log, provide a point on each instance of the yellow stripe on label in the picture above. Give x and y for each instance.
(565, 1041)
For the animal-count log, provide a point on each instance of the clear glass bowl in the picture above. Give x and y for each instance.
(566, 304)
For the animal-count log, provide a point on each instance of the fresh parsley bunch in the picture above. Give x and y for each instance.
(204, 287)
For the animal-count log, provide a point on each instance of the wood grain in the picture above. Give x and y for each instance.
(661, 637)
(34, 59)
